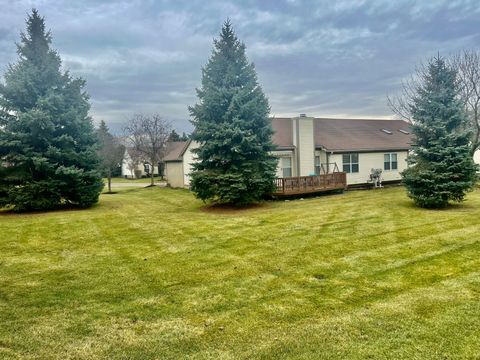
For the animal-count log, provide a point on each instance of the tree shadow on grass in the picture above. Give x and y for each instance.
(230, 209)
(452, 206)
(60, 209)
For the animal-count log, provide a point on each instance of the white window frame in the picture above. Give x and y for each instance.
(390, 161)
(348, 166)
(286, 171)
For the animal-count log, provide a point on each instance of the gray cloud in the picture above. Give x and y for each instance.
(326, 58)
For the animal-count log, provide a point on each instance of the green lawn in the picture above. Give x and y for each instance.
(146, 274)
(131, 180)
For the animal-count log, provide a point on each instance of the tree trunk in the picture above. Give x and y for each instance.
(109, 182)
(474, 149)
(151, 175)
(476, 141)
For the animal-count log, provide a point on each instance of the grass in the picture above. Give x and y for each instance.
(131, 180)
(148, 274)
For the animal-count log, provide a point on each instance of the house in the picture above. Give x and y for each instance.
(307, 146)
(134, 168)
(476, 157)
(143, 168)
(176, 161)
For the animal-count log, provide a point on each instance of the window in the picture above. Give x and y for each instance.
(350, 163)
(390, 161)
(317, 165)
(286, 164)
(161, 169)
(146, 168)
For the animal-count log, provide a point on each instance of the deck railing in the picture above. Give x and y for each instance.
(310, 184)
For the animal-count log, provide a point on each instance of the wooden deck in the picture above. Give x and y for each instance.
(298, 185)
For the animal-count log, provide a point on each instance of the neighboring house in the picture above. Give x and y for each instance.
(174, 163)
(476, 157)
(313, 146)
(143, 167)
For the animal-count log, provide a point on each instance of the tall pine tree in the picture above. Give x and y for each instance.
(232, 128)
(47, 140)
(441, 167)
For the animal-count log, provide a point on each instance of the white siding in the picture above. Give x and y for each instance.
(323, 156)
(125, 170)
(174, 174)
(130, 174)
(188, 160)
(323, 161)
(306, 147)
(476, 157)
(367, 161)
(279, 154)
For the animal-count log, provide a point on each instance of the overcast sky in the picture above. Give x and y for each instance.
(323, 58)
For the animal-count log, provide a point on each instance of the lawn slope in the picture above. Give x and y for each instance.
(147, 274)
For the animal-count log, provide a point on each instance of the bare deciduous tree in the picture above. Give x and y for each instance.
(110, 152)
(148, 135)
(133, 160)
(401, 104)
(467, 65)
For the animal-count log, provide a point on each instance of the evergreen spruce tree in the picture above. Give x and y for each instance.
(174, 136)
(232, 128)
(441, 167)
(47, 140)
(184, 137)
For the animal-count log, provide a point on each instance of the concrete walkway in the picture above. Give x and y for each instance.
(134, 184)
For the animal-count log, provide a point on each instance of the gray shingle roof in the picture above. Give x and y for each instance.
(362, 135)
(341, 135)
(283, 133)
(175, 150)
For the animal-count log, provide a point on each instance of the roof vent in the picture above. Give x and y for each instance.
(404, 131)
(303, 115)
(387, 131)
